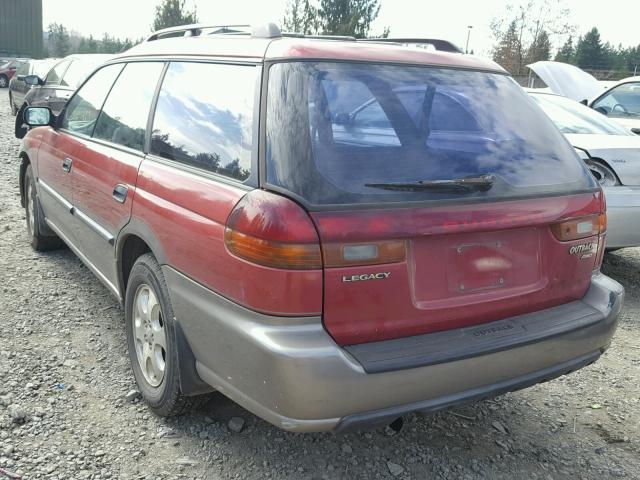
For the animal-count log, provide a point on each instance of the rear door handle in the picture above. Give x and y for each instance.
(120, 193)
(66, 164)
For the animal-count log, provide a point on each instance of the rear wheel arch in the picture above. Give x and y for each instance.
(134, 243)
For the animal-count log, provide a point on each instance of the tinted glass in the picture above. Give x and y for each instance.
(41, 67)
(23, 69)
(76, 73)
(621, 102)
(123, 119)
(204, 117)
(335, 132)
(82, 111)
(54, 77)
(573, 117)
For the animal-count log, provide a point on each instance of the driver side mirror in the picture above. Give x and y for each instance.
(33, 80)
(38, 116)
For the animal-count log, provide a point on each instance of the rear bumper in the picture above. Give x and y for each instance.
(290, 372)
(623, 211)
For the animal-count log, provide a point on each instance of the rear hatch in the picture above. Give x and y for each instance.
(442, 198)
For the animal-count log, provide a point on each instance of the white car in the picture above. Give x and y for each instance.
(619, 101)
(612, 154)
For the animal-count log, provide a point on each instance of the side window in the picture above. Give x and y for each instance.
(123, 119)
(204, 117)
(76, 73)
(82, 110)
(55, 74)
(23, 69)
(621, 102)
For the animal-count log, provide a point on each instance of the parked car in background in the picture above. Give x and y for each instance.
(18, 88)
(618, 100)
(8, 70)
(58, 85)
(612, 153)
(326, 275)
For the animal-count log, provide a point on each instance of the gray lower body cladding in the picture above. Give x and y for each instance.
(290, 372)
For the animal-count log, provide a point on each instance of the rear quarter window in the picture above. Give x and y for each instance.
(204, 117)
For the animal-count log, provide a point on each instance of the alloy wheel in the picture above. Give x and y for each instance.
(150, 335)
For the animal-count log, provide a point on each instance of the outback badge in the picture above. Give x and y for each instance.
(585, 250)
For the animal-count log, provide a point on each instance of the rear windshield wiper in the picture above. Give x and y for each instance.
(481, 183)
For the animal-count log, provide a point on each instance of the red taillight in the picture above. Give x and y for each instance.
(582, 227)
(270, 230)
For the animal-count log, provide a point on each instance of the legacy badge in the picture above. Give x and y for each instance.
(366, 276)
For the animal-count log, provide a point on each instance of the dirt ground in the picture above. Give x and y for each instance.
(64, 377)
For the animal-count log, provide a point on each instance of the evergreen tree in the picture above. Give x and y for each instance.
(567, 52)
(171, 13)
(348, 17)
(590, 53)
(301, 17)
(59, 40)
(506, 53)
(540, 48)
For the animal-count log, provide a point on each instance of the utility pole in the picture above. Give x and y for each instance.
(466, 49)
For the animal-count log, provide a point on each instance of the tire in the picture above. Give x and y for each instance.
(35, 217)
(4, 81)
(14, 110)
(151, 339)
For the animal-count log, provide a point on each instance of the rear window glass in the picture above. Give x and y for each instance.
(367, 133)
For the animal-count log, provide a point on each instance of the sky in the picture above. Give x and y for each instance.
(617, 20)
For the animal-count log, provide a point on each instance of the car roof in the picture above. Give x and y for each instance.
(242, 47)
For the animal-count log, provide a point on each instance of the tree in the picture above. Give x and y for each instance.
(540, 49)
(567, 52)
(58, 40)
(301, 17)
(536, 24)
(590, 52)
(348, 17)
(506, 53)
(171, 13)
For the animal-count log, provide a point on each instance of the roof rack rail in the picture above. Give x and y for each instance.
(319, 37)
(437, 43)
(268, 30)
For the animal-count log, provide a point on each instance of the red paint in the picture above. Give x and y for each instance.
(187, 215)
(292, 48)
(451, 277)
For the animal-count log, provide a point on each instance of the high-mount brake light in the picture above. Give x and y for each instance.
(582, 227)
(273, 231)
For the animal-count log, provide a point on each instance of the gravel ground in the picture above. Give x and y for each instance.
(65, 412)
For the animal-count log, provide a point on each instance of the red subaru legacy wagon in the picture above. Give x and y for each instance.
(331, 232)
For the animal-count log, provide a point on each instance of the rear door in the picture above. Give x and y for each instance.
(105, 173)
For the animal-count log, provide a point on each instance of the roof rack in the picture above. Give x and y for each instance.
(437, 43)
(268, 30)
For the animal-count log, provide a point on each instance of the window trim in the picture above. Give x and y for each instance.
(253, 179)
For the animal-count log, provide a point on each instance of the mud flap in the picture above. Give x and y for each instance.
(190, 382)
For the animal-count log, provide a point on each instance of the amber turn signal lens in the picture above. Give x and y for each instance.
(370, 253)
(578, 228)
(295, 256)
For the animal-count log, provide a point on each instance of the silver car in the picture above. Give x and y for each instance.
(612, 153)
